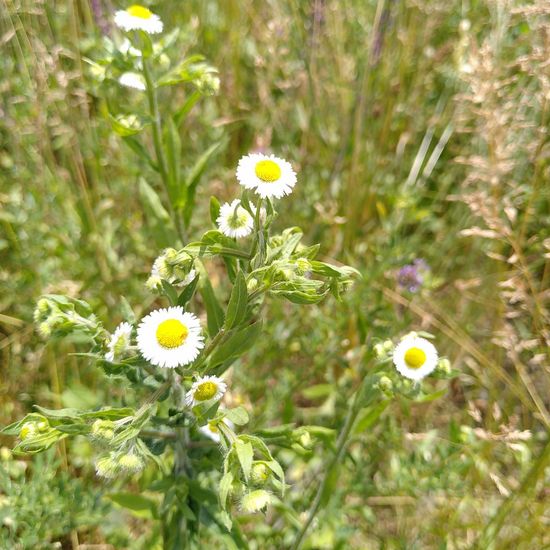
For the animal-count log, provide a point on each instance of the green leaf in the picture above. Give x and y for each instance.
(317, 391)
(59, 414)
(214, 209)
(140, 506)
(245, 454)
(188, 292)
(236, 343)
(214, 312)
(193, 178)
(109, 414)
(189, 103)
(139, 149)
(74, 429)
(146, 45)
(236, 309)
(238, 416)
(431, 396)
(173, 160)
(226, 483)
(160, 222)
(369, 416)
(170, 292)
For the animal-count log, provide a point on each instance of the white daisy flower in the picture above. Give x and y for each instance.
(234, 220)
(415, 357)
(205, 388)
(268, 175)
(170, 337)
(138, 18)
(212, 431)
(119, 342)
(132, 80)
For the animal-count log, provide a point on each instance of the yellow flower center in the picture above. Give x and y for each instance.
(415, 358)
(171, 333)
(205, 391)
(268, 171)
(139, 11)
(213, 428)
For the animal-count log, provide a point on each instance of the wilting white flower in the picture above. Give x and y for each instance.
(212, 431)
(170, 337)
(126, 48)
(268, 175)
(132, 80)
(205, 388)
(138, 18)
(256, 501)
(234, 220)
(415, 357)
(119, 342)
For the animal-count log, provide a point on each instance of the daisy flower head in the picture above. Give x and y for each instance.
(132, 80)
(205, 388)
(234, 220)
(268, 175)
(119, 342)
(415, 357)
(170, 337)
(138, 18)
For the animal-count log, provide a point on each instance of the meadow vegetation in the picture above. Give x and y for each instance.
(418, 130)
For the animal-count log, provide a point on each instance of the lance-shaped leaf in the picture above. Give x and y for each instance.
(236, 343)
(236, 309)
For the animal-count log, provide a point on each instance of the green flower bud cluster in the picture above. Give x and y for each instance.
(383, 350)
(173, 267)
(103, 430)
(117, 462)
(58, 315)
(32, 429)
(260, 473)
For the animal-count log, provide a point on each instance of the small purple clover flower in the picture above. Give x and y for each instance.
(411, 276)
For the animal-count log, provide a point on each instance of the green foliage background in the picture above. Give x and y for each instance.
(395, 114)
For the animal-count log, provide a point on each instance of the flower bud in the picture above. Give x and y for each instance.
(303, 265)
(444, 366)
(5, 454)
(131, 462)
(251, 285)
(305, 440)
(260, 473)
(27, 430)
(106, 467)
(385, 385)
(103, 429)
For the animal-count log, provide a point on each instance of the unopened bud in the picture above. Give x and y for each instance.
(27, 430)
(444, 366)
(131, 462)
(260, 473)
(103, 429)
(386, 386)
(303, 265)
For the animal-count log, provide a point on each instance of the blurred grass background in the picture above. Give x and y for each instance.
(419, 129)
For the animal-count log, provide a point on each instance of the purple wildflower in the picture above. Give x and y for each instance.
(411, 276)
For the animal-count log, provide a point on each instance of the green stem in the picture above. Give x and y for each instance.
(341, 445)
(157, 141)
